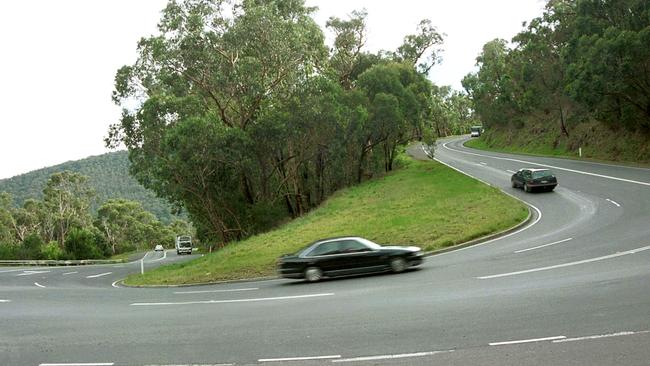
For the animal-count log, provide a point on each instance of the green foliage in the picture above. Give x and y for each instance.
(83, 244)
(52, 251)
(108, 175)
(581, 60)
(31, 247)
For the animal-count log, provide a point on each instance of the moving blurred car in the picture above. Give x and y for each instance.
(159, 248)
(529, 179)
(346, 256)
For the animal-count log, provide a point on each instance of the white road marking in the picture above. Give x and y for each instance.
(610, 256)
(159, 259)
(79, 364)
(99, 275)
(511, 171)
(5, 300)
(229, 301)
(187, 364)
(599, 336)
(299, 358)
(12, 270)
(114, 284)
(614, 202)
(29, 273)
(550, 166)
(211, 291)
(389, 357)
(544, 246)
(39, 285)
(539, 213)
(482, 163)
(527, 341)
(69, 273)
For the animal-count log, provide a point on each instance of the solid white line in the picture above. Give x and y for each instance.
(614, 202)
(79, 364)
(526, 341)
(99, 275)
(39, 285)
(511, 171)
(12, 270)
(229, 301)
(69, 273)
(545, 245)
(482, 163)
(389, 357)
(298, 358)
(550, 166)
(114, 284)
(5, 300)
(599, 336)
(163, 257)
(211, 291)
(633, 251)
(29, 273)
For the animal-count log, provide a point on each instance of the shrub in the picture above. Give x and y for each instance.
(52, 251)
(82, 244)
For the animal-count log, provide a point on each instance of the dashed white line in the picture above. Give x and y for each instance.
(38, 285)
(79, 364)
(230, 301)
(12, 270)
(614, 202)
(69, 273)
(599, 336)
(511, 171)
(5, 300)
(633, 251)
(527, 341)
(211, 291)
(482, 163)
(211, 364)
(544, 246)
(550, 166)
(99, 275)
(390, 357)
(299, 358)
(29, 273)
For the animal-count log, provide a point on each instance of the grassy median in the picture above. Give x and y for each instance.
(424, 204)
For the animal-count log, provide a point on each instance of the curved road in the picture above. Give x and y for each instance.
(572, 287)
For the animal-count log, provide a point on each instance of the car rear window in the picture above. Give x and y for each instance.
(542, 174)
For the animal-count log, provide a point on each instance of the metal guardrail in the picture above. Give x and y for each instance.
(81, 262)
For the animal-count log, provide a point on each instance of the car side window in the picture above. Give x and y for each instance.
(331, 247)
(526, 174)
(352, 246)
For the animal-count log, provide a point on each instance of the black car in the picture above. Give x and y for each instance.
(530, 179)
(346, 256)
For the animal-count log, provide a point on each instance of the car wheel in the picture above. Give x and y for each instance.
(397, 264)
(527, 188)
(313, 274)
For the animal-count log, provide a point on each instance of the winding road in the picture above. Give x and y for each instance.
(570, 287)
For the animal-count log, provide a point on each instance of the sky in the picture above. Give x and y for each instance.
(58, 61)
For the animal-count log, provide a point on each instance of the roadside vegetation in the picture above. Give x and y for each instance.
(424, 204)
(575, 77)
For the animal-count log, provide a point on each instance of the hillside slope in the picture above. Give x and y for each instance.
(108, 175)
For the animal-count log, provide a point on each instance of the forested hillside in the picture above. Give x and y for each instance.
(108, 175)
(576, 77)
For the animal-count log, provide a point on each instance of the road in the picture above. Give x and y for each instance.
(571, 287)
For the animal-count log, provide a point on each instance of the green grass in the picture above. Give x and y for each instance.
(424, 204)
(125, 256)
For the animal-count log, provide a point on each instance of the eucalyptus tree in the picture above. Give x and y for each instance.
(125, 225)
(67, 198)
(422, 49)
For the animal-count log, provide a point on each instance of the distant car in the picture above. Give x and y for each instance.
(347, 256)
(530, 179)
(159, 248)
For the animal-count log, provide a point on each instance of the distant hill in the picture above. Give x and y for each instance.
(109, 176)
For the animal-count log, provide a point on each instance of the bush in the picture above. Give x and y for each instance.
(8, 251)
(31, 248)
(52, 251)
(82, 244)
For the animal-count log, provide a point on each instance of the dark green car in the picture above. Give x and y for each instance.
(531, 179)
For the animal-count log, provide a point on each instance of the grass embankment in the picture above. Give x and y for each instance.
(424, 204)
(598, 143)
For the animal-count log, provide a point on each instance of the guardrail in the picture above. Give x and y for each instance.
(81, 262)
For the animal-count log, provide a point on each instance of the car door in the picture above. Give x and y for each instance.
(359, 258)
(327, 257)
(518, 178)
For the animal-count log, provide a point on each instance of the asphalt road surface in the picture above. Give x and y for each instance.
(570, 288)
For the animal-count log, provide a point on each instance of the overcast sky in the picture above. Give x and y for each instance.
(58, 60)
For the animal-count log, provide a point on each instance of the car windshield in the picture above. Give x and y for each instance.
(542, 174)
